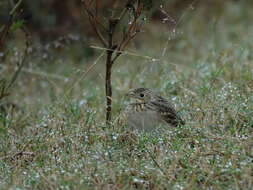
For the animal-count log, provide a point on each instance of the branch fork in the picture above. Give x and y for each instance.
(106, 37)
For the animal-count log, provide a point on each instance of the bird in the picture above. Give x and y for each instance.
(150, 110)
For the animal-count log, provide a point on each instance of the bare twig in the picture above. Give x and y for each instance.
(108, 43)
(16, 7)
(128, 53)
(84, 74)
(94, 23)
(123, 13)
(3, 36)
(23, 60)
(157, 164)
(6, 28)
(177, 24)
(123, 47)
(130, 34)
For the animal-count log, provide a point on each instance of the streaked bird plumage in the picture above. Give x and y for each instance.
(150, 110)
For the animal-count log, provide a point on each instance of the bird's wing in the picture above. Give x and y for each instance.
(167, 112)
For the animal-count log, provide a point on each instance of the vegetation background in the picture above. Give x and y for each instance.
(198, 54)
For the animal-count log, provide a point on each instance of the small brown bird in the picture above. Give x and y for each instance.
(150, 110)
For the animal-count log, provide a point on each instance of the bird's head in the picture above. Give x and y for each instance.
(140, 94)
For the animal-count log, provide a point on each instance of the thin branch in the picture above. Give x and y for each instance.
(15, 8)
(128, 40)
(94, 23)
(100, 36)
(128, 36)
(177, 24)
(123, 47)
(84, 74)
(6, 28)
(23, 61)
(123, 13)
(4, 34)
(89, 12)
(156, 163)
(127, 53)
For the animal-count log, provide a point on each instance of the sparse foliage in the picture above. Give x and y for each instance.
(13, 24)
(106, 34)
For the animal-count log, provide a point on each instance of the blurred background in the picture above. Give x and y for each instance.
(50, 19)
(176, 34)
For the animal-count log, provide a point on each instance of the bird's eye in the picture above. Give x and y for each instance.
(142, 95)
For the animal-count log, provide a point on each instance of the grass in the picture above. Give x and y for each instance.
(56, 137)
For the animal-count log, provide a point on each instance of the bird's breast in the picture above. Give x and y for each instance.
(139, 116)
